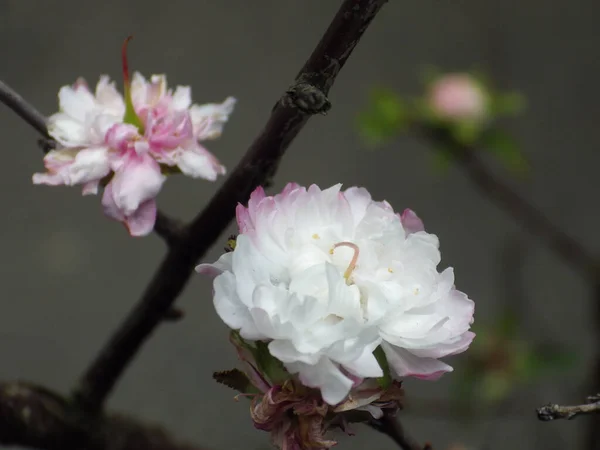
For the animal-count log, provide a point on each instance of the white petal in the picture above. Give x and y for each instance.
(227, 303)
(327, 377)
(209, 119)
(366, 365)
(182, 98)
(76, 103)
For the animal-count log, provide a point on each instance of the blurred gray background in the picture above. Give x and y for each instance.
(69, 275)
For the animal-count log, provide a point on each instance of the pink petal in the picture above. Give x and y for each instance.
(110, 207)
(411, 222)
(141, 222)
(406, 364)
(138, 180)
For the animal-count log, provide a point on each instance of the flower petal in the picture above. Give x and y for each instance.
(210, 118)
(405, 364)
(138, 180)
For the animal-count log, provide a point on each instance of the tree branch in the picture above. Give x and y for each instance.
(553, 411)
(393, 428)
(527, 215)
(23, 109)
(257, 167)
(171, 230)
(35, 417)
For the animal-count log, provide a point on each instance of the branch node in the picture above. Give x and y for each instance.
(307, 98)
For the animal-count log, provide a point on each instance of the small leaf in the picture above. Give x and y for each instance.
(466, 132)
(386, 380)
(235, 379)
(269, 365)
(504, 147)
(384, 117)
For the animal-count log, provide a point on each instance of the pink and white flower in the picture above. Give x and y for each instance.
(104, 142)
(326, 277)
(458, 96)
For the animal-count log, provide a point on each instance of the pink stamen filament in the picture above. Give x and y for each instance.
(354, 259)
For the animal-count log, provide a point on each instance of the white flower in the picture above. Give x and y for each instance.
(327, 276)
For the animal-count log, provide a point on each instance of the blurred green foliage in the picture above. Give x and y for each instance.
(388, 115)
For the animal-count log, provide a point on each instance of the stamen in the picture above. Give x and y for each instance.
(354, 259)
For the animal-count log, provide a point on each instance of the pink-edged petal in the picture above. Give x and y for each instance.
(411, 222)
(245, 215)
(406, 364)
(453, 347)
(224, 263)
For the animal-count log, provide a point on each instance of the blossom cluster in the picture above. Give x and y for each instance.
(342, 291)
(129, 143)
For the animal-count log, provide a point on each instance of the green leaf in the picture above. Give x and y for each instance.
(466, 132)
(235, 379)
(386, 380)
(384, 117)
(270, 366)
(504, 147)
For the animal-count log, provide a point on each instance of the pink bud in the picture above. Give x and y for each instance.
(458, 97)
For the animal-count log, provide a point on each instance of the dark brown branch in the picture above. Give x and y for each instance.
(256, 168)
(527, 215)
(35, 417)
(23, 109)
(553, 411)
(169, 229)
(392, 427)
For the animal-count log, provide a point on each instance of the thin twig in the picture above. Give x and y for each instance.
(257, 167)
(393, 428)
(23, 109)
(527, 215)
(553, 411)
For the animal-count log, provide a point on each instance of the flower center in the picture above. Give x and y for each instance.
(353, 261)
